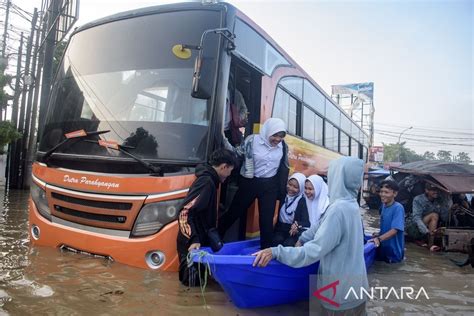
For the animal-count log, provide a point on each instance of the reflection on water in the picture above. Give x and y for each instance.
(47, 281)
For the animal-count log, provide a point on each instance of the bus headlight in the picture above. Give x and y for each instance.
(154, 216)
(39, 198)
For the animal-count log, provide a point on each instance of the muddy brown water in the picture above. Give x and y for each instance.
(46, 281)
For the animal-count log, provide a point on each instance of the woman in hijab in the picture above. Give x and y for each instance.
(263, 175)
(316, 193)
(293, 213)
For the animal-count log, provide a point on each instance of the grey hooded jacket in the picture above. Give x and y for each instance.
(338, 239)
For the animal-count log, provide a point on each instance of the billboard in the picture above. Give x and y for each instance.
(376, 154)
(365, 91)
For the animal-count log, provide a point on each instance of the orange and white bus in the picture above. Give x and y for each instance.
(138, 102)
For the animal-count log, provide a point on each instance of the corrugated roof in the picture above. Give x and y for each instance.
(453, 177)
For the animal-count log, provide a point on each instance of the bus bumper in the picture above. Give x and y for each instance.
(129, 251)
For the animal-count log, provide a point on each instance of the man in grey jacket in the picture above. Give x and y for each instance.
(337, 243)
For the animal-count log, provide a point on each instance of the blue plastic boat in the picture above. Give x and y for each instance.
(249, 286)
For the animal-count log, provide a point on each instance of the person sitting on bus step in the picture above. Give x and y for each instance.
(263, 175)
(293, 213)
(336, 242)
(198, 213)
(390, 241)
(423, 223)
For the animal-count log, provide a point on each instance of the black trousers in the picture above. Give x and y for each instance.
(188, 275)
(263, 189)
(281, 235)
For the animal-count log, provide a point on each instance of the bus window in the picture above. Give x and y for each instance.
(312, 126)
(355, 131)
(346, 124)
(285, 107)
(252, 47)
(293, 85)
(314, 98)
(332, 113)
(344, 144)
(331, 137)
(354, 148)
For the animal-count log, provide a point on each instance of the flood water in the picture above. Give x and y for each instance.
(45, 281)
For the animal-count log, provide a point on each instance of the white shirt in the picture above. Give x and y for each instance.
(266, 158)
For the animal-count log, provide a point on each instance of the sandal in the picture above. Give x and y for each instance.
(435, 248)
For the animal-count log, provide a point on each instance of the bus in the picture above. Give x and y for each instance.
(138, 102)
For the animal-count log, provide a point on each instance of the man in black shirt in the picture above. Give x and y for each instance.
(198, 212)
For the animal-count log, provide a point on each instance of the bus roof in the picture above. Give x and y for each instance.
(217, 7)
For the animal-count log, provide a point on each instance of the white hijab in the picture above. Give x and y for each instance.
(270, 127)
(288, 208)
(320, 201)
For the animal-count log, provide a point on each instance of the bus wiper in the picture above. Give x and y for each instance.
(80, 134)
(122, 148)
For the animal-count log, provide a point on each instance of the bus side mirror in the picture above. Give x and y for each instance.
(203, 77)
(205, 66)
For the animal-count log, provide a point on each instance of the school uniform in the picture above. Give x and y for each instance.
(293, 209)
(263, 176)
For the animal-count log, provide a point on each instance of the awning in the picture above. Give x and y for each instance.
(456, 183)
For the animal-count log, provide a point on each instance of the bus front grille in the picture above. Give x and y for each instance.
(91, 216)
(122, 206)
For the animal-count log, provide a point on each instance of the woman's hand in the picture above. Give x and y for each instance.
(263, 257)
(294, 229)
(299, 243)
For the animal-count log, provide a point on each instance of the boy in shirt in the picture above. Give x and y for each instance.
(390, 241)
(198, 213)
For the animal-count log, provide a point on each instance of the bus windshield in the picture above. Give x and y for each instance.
(122, 76)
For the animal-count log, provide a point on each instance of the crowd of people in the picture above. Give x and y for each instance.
(316, 221)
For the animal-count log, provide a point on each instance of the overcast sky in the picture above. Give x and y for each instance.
(419, 54)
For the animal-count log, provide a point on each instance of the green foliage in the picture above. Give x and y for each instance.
(4, 79)
(58, 55)
(444, 155)
(8, 133)
(391, 153)
(463, 157)
(429, 155)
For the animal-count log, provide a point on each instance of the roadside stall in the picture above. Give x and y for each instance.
(455, 181)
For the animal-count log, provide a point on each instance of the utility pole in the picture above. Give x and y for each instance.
(4, 47)
(13, 150)
(53, 13)
(399, 138)
(39, 54)
(5, 30)
(26, 109)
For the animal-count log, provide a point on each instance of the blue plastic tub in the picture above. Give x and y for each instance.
(250, 286)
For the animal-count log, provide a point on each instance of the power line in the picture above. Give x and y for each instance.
(426, 141)
(428, 136)
(431, 129)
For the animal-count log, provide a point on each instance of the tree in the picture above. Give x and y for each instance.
(463, 157)
(429, 155)
(4, 79)
(8, 133)
(444, 155)
(391, 153)
(58, 54)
